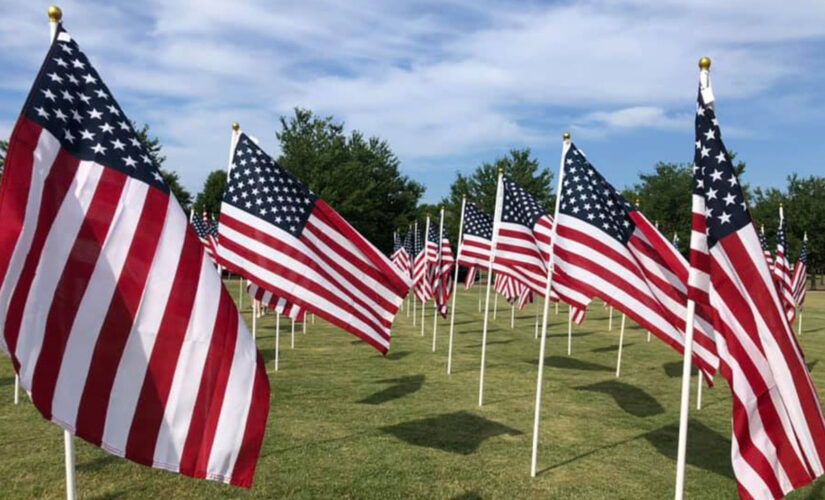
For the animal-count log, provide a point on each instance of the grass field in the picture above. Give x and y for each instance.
(348, 423)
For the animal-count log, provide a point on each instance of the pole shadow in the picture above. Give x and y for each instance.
(461, 432)
(630, 398)
(401, 387)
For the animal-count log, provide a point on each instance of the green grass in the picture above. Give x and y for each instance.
(348, 423)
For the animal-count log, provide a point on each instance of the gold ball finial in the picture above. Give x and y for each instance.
(704, 63)
(637, 202)
(236, 126)
(463, 196)
(55, 14)
(500, 171)
(566, 136)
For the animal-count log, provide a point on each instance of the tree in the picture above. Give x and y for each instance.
(153, 148)
(480, 186)
(4, 147)
(212, 195)
(356, 176)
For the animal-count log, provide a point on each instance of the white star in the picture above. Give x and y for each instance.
(101, 94)
(134, 142)
(732, 180)
(60, 62)
(123, 125)
(77, 63)
(98, 149)
(705, 152)
(129, 161)
(66, 48)
(67, 96)
(729, 199)
(700, 111)
(720, 158)
(85, 134)
(106, 128)
(48, 94)
(42, 113)
(116, 144)
(725, 217)
(95, 114)
(712, 193)
(112, 109)
(716, 175)
(55, 77)
(157, 176)
(67, 134)
(60, 116)
(89, 79)
(84, 98)
(72, 79)
(698, 144)
(710, 134)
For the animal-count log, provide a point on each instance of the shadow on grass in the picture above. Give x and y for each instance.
(6, 381)
(574, 335)
(461, 432)
(674, 369)
(706, 448)
(489, 343)
(400, 388)
(612, 348)
(468, 495)
(810, 366)
(630, 398)
(395, 356)
(97, 464)
(572, 364)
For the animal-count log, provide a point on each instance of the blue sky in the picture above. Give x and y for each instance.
(452, 83)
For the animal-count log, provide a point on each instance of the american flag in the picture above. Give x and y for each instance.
(112, 313)
(778, 440)
(800, 275)
(400, 257)
(782, 271)
(522, 249)
(207, 234)
(409, 247)
(471, 277)
(505, 285)
(443, 282)
(609, 250)
(765, 250)
(422, 284)
(278, 304)
(474, 247)
(286, 240)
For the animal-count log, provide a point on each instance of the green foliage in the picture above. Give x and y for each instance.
(212, 194)
(358, 177)
(480, 186)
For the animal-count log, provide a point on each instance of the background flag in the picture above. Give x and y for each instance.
(800, 275)
(782, 271)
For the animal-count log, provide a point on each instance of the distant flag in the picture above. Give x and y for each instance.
(781, 269)
(800, 275)
(278, 304)
(400, 257)
(610, 250)
(408, 249)
(443, 282)
(475, 244)
(505, 285)
(763, 242)
(286, 240)
(207, 234)
(778, 440)
(422, 283)
(471, 277)
(113, 315)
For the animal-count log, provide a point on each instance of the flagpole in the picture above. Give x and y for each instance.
(254, 320)
(426, 270)
(496, 222)
(543, 342)
(536, 333)
(292, 340)
(277, 338)
(699, 391)
(557, 308)
(495, 306)
(512, 316)
(569, 330)
(410, 293)
(55, 17)
(415, 245)
(610, 319)
(480, 274)
(621, 341)
(681, 451)
(455, 284)
(438, 270)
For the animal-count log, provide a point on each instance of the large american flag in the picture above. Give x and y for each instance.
(207, 233)
(114, 316)
(609, 250)
(286, 240)
(778, 431)
(800, 275)
(522, 248)
(782, 271)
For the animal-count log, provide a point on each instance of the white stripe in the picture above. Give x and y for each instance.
(185, 386)
(96, 301)
(56, 250)
(43, 158)
(135, 359)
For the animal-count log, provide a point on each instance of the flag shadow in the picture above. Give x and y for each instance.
(674, 369)
(612, 348)
(567, 363)
(630, 398)
(460, 432)
(489, 343)
(706, 448)
(396, 355)
(401, 387)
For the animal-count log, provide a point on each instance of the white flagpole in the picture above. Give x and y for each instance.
(426, 270)
(415, 245)
(455, 284)
(292, 340)
(495, 307)
(543, 343)
(569, 330)
(610, 319)
(277, 338)
(240, 292)
(798, 327)
(496, 222)
(55, 17)
(536, 333)
(512, 316)
(681, 452)
(557, 308)
(438, 270)
(16, 388)
(254, 320)
(648, 336)
(699, 390)
(304, 324)
(480, 277)
(621, 341)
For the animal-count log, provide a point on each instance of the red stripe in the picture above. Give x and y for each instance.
(253, 437)
(56, 185)
(211, 390)
(140, 445)
(72, 286)
(91, 412)
(14, 190)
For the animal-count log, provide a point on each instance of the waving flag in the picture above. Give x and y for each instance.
(800, 275)
(113, 315)
(443, 282)
(475, 244)
(778, 440)
(782, 271)
(422, 283)
(765, 250)
(400, 257)
(207, 234)
(609, 250)
(282, 237)
(471, 277)
(278, 304)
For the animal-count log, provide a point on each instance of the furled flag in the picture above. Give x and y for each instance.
(409, 244)
(523, 248)
(782, 272)
(765, 250)
(113, 315)
(207, 234)
(400, 257)
(475, 244)
(609, 250)
(800, 275)
(443, 283)
(278, 304)
(778, 440)
(471, 277)
(422, 284)
(286, 240)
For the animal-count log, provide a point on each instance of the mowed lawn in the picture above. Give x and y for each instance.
(346, 422)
